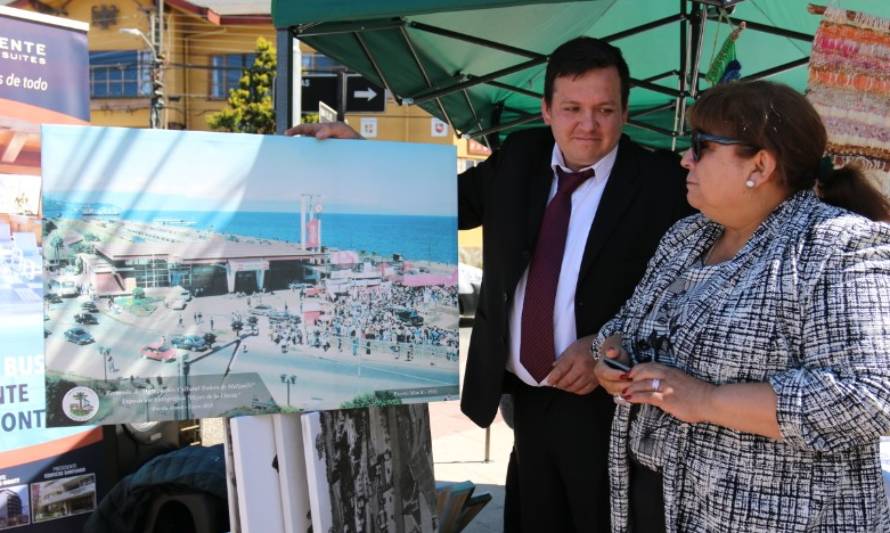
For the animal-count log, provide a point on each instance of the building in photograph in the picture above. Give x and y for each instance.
(13, 511)
(218, 267)
(63, 497)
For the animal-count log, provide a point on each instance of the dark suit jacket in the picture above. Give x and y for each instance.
(507, 194)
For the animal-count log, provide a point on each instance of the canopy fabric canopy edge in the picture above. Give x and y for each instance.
(479, 64)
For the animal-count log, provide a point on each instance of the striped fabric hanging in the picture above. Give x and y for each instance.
(849, 85)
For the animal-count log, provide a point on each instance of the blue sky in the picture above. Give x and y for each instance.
(200, 171)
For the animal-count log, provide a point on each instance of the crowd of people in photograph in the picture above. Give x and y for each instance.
(383, 319)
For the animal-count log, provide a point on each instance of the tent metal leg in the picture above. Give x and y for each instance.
(426, 78)
(375, 65)
(284, 81)
(778, 69)
(684, 72)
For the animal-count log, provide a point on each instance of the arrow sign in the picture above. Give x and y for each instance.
(367, 94)
(361, 95)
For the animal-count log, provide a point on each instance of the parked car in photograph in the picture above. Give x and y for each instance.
(178, 304)
(52, 298)
(469, 280)
(277, 316)
(78, 335)
(89, 307)
(85, 318)
(261, 310)
(409, 316)
(194, 343)
(159, 351)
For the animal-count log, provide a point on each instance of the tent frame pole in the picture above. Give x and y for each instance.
(778, 69)
(337, 28)
(507, 125)
(645, 27)
(518, 90)
(475, 40)
(766, 28)
(426, 78)
(430, 95)
(284, 80)
(684, 72)
(371, 59)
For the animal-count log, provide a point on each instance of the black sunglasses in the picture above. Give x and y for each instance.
(699, 137)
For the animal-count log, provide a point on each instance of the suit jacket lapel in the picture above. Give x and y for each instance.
(539, 183)
(620, 190)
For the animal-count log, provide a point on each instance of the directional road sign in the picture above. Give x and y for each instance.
(362, 96)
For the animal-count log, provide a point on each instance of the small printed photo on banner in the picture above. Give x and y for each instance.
(61, 498)
(15, 509)
(278, 275)
(19, 194)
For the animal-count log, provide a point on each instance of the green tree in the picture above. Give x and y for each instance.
(372, 399)
(249, 108)
(56, 243)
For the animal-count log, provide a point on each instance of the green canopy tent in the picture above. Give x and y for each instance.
(479, 64)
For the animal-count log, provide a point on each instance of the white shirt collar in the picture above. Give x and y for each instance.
(601, 168)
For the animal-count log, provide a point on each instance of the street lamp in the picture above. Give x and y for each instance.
(157, 84)
(288, 380)
(105, 354)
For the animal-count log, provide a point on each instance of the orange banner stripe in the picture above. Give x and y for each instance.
(49, 449)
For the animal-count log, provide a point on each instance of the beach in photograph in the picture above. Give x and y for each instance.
(279, 275)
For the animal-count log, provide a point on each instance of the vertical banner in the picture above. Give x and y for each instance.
(49, 478)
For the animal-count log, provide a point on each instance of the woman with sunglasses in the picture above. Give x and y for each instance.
(759, 337)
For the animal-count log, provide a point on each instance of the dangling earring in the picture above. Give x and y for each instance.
(750, 183)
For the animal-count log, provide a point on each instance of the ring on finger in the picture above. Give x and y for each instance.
(656, 385)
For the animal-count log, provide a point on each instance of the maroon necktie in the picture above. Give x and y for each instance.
(537, 350)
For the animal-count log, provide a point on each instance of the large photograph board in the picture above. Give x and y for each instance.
(195, 274)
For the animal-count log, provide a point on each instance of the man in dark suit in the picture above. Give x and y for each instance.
(612, 223)
(617, 218)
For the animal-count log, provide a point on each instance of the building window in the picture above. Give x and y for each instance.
(226, 71)
(120, 74)
(315, 62)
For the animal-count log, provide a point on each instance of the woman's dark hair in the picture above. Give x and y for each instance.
(777, 118)
(581, 55)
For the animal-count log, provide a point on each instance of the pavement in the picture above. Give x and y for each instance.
(460, 453)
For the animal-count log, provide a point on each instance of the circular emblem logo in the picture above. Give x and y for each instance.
(80, 404)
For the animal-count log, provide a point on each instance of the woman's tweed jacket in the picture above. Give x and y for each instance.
(805, 306)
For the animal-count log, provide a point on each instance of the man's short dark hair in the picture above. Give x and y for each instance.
(581, 55)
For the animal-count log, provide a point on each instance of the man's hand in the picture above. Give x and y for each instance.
(573, 371)
(334, 130)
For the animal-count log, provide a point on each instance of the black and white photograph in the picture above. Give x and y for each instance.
(371, 470)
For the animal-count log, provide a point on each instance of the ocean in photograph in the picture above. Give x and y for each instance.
(380, 234)
(278, 275)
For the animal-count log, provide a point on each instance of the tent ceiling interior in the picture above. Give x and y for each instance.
(479, 64)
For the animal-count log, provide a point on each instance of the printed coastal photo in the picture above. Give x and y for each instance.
(193, 274)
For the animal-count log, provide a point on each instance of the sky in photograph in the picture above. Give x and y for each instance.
(164, 170)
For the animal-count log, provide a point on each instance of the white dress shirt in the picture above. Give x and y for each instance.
(585, 201)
